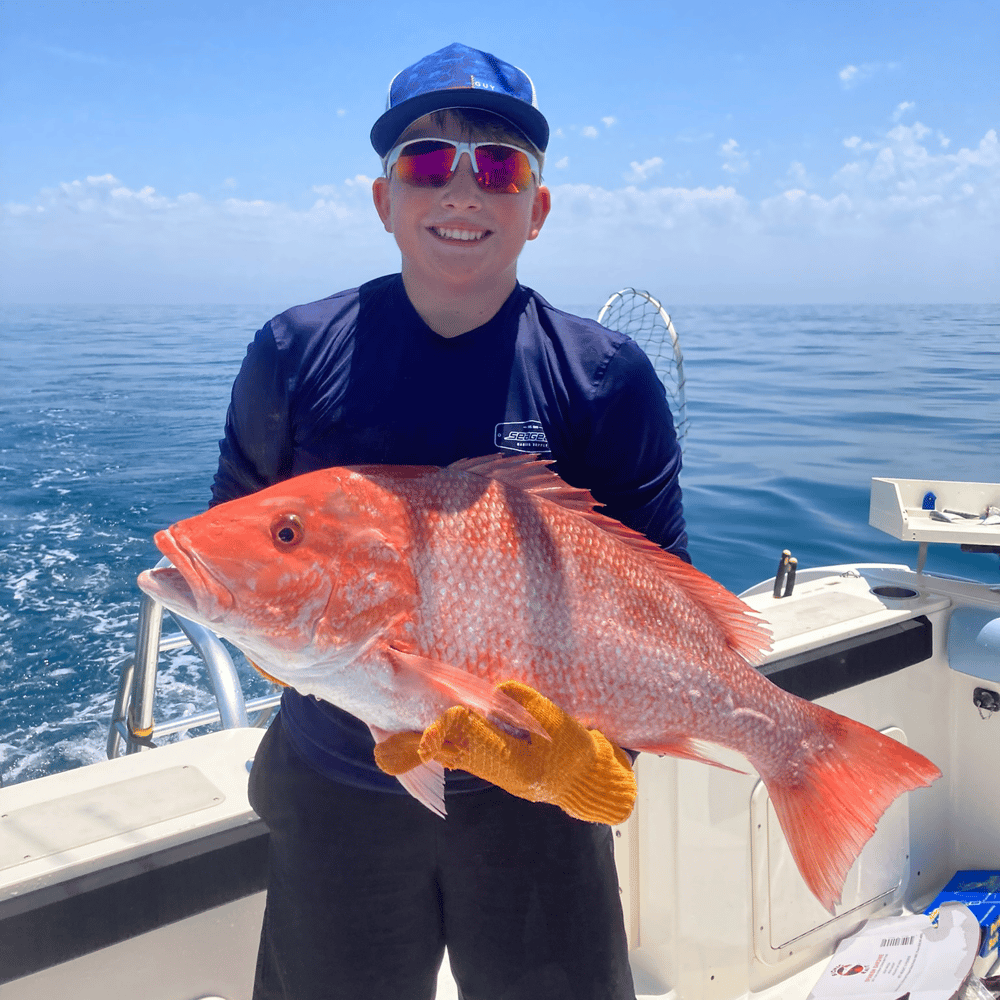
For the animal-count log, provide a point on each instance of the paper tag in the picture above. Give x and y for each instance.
(903, 958)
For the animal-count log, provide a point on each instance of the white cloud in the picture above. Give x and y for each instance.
(901, 109)
(562, 164)
(589, 132)
(74, 55)
(341, 112)
(904, 168)
(851, 75)
(795, 208)
(875, 241)
(854, 142)
(98, 239)
(734, 159)
(642, 171)
(15, 209)
(609, 121)
(258, 208)
(884, 166)
(797, 175)
(903, 220)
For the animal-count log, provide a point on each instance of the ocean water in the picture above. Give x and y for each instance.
(110, 417)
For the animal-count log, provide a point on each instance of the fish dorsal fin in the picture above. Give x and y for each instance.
(530, 473)
(744, 631)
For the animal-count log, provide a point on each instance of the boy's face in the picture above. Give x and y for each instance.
(458, 238)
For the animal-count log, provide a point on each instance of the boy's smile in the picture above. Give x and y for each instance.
(457, 241)
(459, 234)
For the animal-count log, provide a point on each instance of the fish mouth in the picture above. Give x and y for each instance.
(168, 586)
(188, 587)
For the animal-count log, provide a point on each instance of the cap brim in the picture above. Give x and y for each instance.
(394, 122)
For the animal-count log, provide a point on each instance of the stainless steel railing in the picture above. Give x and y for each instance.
(132, 723)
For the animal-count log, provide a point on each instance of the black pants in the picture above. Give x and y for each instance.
(365, 889)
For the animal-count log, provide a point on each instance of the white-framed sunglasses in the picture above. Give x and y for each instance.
(499, 167)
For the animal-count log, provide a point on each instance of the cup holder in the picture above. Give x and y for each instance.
(892, 593)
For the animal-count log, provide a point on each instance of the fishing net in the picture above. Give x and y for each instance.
(641, 317)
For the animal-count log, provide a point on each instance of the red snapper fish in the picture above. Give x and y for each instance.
(396, 592)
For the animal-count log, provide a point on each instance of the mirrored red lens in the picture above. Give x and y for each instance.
(426, 164)
(502, 168)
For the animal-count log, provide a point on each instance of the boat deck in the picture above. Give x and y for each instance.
(146, 871)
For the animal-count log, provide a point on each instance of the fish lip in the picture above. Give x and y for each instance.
(202, 595)
(168, 586)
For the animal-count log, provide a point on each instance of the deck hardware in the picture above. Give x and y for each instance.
(142, 739)
(986, 700)
(895, 593)
(790, 579)
(784, 579)
(779, 577)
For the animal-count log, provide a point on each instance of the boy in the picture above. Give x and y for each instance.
(451, 358)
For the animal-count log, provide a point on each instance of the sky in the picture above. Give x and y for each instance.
(819, 151)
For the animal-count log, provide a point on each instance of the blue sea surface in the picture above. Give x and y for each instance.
(110, 420)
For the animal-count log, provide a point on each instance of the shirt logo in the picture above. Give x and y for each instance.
(523, 436)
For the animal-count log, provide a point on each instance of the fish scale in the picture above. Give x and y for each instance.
(396, 592)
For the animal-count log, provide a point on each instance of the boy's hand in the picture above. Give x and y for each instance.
(578, 769)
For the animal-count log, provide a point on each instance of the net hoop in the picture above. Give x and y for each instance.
(642, 318)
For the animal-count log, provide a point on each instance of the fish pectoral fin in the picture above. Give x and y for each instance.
(685, 748)
(462, 688)
(396, 754)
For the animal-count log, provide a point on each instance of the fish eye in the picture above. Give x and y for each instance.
(287, 531)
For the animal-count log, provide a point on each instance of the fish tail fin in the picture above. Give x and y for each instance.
(830, 810)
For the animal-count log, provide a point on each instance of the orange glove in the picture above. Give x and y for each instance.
(579, 769)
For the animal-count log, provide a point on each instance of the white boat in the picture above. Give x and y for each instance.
(145, 873)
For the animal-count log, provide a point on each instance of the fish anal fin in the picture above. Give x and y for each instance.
(462, 688)
(425, 782)
(685, 748)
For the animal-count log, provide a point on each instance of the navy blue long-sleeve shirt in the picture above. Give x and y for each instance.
(359, 378)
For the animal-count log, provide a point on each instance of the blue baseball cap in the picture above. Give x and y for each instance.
(459, 77)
